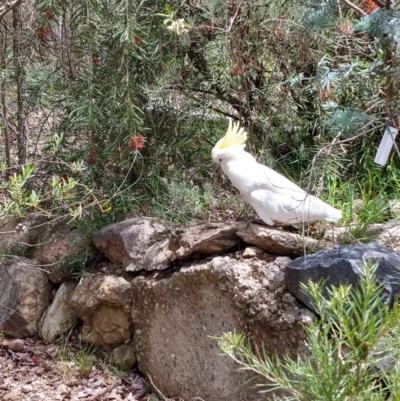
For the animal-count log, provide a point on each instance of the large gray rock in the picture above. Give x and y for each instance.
(104, 304)
(344, 265)
(24, 293)
(46, 241)
(19, 236)
(59, 317)
(277, 241)
(59, 248)
(128, 241)
(175, 318)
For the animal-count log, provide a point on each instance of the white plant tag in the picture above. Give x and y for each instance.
(386, 145)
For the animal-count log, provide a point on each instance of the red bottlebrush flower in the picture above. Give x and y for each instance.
(369, 6)
(198, 141)
(238, 69)
(64, 178)
(35, 360)
(345, 28)
(49, 13)
(138, 41)
(136, 142)
(92, 157)
(117, 151)
(93, 135)
(43, 33)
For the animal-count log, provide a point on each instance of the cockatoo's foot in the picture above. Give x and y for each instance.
(258, 221)
(263, 223)
(278, 226)
(290, 228)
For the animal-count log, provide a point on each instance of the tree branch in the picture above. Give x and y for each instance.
(8, 7)
(3, 90)
(335, 142)
(355, 8)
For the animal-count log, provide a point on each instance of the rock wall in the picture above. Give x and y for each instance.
(165, 295)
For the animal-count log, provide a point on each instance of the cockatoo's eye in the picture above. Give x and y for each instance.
(220, 160)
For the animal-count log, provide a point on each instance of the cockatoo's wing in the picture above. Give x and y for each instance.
(279, 199)
(285, 209)
(279, 184)
(273, 207)
(274, 197)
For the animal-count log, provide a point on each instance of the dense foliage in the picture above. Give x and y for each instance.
(353, 349)
(117, 104)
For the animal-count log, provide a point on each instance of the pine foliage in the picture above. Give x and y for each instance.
(136, 102)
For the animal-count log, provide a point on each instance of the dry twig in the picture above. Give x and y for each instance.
(355, 8)
(104, 390)
(8, 7)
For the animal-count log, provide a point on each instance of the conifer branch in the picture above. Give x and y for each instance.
(8, 7)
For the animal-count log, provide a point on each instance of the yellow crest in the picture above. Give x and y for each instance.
(234, 136)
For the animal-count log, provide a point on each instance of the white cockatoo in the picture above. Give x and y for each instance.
(275, 198)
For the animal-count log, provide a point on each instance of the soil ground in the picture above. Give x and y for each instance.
(31, 370)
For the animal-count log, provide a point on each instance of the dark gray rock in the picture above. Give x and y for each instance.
(344, 265)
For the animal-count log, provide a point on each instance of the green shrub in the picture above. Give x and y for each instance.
(353, 348)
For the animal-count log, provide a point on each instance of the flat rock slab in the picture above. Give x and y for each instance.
(176, 317)
(146, 244)
(203, 240)
(277, 241)
(344, 265)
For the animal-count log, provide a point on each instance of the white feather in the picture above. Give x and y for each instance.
(273, 196)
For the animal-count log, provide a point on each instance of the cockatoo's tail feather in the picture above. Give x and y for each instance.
(234, 136)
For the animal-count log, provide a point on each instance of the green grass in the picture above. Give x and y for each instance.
(76, 361)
